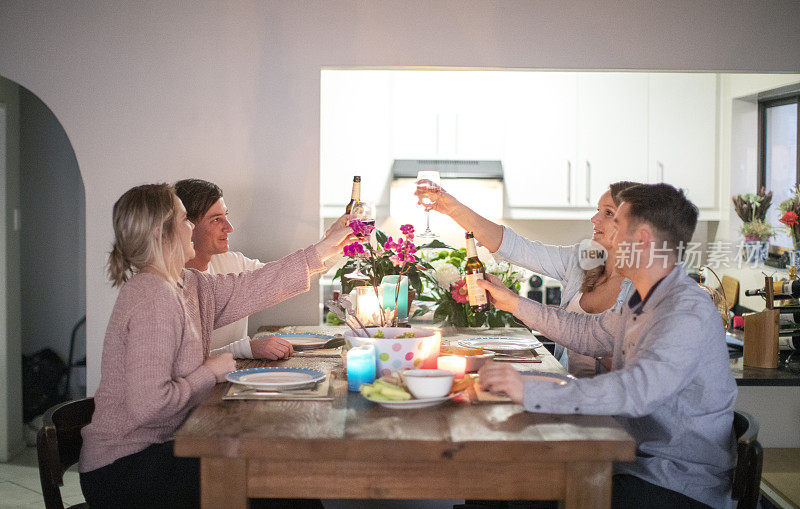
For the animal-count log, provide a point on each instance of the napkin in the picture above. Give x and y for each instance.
(319, 393)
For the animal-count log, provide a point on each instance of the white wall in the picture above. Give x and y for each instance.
(230, 91)
(738, 153)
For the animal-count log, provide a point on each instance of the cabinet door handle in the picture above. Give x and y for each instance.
(569, 181)
(588, 182)
(660, 171)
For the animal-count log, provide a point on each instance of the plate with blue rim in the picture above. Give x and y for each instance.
(501, 343)
(303, 340)
(276, 378)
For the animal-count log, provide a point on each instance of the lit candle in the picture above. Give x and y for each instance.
(360, 366)
(368, 308)
(454, 364)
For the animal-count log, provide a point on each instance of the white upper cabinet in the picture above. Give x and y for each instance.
(612, 132)
(539, 161)
(562, 137)
(682, 127)
(354, 136)
(447, 115)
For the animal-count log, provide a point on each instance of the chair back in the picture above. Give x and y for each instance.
(730, 286)
(749, 458)
(58, 445)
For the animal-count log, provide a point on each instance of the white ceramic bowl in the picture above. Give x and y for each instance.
(393, 353)
(428, 383)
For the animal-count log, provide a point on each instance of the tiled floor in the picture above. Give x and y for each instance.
(20, 486)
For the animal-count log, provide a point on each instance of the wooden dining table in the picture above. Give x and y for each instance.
(349, 447)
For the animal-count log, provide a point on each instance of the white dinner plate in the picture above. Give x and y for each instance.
(304, 340)
(414, 403)
(501, 344)
(275, 378)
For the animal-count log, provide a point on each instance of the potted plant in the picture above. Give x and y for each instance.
(790, 216)
(752, 210)
(386, 257)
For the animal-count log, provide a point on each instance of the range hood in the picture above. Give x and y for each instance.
(448, 168)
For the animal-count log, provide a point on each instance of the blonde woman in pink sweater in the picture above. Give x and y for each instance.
(155, 366)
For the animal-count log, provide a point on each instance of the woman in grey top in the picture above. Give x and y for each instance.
(588, 291)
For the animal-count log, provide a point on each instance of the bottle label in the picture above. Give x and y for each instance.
(356, 193)
(477, 295)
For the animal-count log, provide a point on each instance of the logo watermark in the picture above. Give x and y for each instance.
(591, 254)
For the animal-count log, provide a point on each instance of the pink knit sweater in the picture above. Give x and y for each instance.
(157, 338)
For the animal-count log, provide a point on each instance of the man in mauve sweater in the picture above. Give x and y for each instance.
(206, 208)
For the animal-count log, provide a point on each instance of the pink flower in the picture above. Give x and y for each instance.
(353, 250)
(397, 260)
(361, 229)
(459, 291)
(408, 230)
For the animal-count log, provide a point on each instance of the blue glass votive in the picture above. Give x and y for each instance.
(360, 366)
(389, 287)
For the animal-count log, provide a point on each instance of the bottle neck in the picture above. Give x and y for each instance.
(356, 194)
(471, 251)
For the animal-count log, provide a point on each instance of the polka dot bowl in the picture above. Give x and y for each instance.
(393, 353)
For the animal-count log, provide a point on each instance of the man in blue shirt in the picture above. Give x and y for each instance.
(671, 385)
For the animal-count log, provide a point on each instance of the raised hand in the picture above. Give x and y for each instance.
(432, 196)
(271, 347)
(337, 236)
(501, 297)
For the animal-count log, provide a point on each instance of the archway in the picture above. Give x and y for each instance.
(44, 255)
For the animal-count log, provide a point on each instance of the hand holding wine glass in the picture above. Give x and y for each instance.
(428, 191)
(365, 214)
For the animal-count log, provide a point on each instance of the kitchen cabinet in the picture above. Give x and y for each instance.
(682, 127)
(562, 137)
(447, 115)
(612, 132)
(354, 136)
(539, 160)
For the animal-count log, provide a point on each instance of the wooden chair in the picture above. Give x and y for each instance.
(59, 445)
(749, 459)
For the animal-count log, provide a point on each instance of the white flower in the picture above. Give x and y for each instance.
(445, 273)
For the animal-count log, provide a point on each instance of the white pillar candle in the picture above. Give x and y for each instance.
(368, 307)
(454, 364)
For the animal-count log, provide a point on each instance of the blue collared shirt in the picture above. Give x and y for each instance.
(671, 387)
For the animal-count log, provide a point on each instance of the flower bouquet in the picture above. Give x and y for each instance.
(446, 290)
(790, 210)
(387, 257)
(752, 210)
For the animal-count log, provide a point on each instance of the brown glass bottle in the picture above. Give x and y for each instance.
(474, 270)
(355, 196)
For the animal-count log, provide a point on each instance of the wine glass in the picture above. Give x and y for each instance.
(364, 212)
(428, 181)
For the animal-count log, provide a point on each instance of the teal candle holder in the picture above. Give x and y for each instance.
(388, 287)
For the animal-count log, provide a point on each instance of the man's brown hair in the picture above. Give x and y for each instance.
(197, 196)
(666, 209)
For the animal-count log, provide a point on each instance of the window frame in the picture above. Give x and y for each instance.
(762, 135)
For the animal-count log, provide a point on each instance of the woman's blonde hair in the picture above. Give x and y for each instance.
(592, 276)
(145, 234)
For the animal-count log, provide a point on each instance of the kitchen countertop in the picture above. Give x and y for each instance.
(782, 376)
